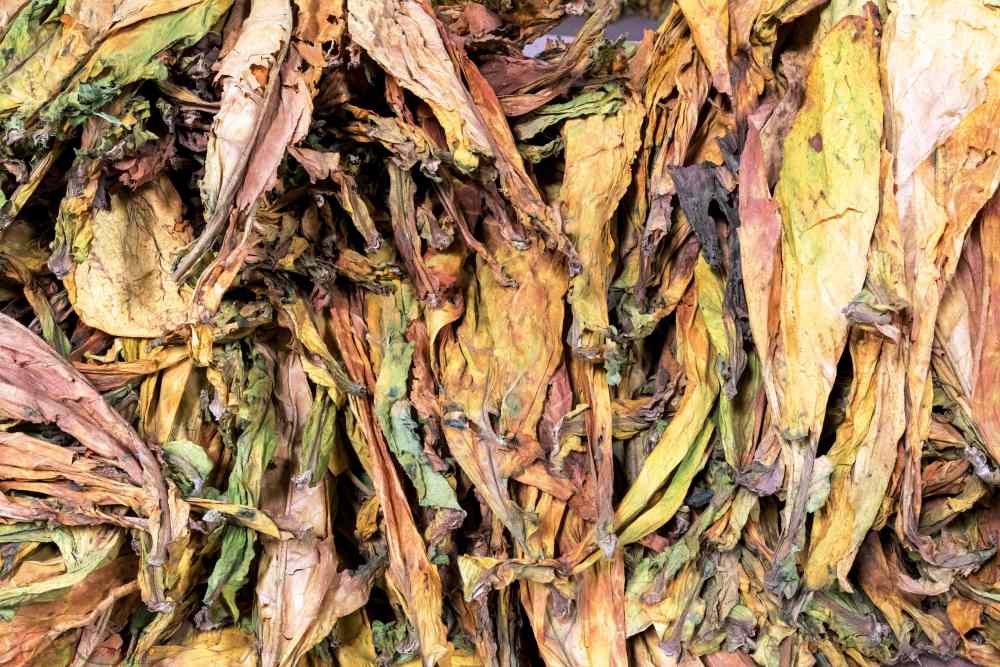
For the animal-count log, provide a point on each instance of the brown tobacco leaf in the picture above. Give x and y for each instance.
(300, 593)
(935, 223)
(36, 625)
(151, 162)
(318, 164)
(963, 325)
(878, 575)
(759, 238)
(37, 466)
(588, 205)
(252, 88)
(403, 37)
(411, 573)
(39, 386)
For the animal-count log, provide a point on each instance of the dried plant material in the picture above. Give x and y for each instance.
(378, 333)
(410, 571)
(823, 196)
(403, 37)
(863, 454)
(250, 94)
(588, 225)
(124, 286)
(709, 23)
(928, 106)
(228, 647)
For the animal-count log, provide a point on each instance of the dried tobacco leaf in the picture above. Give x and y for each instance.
(376, 332)
(828, 207)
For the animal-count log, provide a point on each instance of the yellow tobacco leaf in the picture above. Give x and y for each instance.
(683, 431)
(229, 647)
(366, 522)
(354, 641)
(123, 286)
(661, 511)
(319, 363)
(480, 574)
(828, 194)
(599, 153)
(498, 360)
(864, 452)
(112, 375)
(709, 22)
(601, 615)
(403, 38)
(243, 515)
(965, 614)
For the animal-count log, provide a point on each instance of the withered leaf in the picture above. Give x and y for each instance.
(396, 332)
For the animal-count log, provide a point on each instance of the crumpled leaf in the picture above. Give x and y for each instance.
(248, 139)
(97, 52)
(36, 625)
(41, 387)
(188, 464)
(229, 647)
(863, 454)
(410, 570)
(481, 574)
(124, 284)
(441, 328)
(253, 452)
(402, 37)
(588, 225)
(606, 101)
(393, 410)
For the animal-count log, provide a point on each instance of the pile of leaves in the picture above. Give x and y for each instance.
(342, 332)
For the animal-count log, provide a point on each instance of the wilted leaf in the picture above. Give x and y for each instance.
(123, 285)
(396, 332)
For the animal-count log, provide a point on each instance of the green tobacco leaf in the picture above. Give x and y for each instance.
(83, 549)
(605, 100)
(319, 439)
(188, 464)
(252, 453)
(393, 410)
